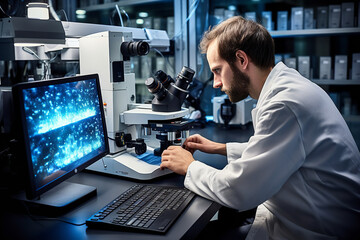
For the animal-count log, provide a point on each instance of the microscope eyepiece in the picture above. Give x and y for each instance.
(164, 78)
(184, 78)
(155, 87)
(169, 96)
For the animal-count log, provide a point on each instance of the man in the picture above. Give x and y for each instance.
(301, 167)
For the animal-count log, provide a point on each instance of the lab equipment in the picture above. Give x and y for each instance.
(232, 114)
(170, 96)
(123, 114)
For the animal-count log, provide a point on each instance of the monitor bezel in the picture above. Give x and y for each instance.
(30, 186)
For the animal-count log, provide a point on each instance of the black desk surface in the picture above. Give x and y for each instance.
(15, 223)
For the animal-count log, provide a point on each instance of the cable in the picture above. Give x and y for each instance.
(52, 11)
(119, 13)
(46, 63)
(64, 13)
(127, 16)
(46, 67)
(166, 59)
(2, 10)
(202, 56)
(74, 71)
(193, 8)
(28, 50)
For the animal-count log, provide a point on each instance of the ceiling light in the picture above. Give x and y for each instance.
(232, 7)
(80, 12)
(143, 14)
(139, 21)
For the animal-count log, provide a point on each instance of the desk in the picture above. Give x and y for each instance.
(16, 224)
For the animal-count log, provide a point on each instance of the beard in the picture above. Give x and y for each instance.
(239, 88)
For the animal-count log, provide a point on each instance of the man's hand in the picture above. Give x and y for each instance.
(176, 159)
(197, 142)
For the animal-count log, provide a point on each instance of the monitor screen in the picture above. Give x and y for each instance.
(63, 127)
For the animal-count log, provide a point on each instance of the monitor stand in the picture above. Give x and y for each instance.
(60, 197)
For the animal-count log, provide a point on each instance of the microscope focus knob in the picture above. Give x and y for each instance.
(140, 146)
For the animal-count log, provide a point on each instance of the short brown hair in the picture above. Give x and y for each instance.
(237, 33)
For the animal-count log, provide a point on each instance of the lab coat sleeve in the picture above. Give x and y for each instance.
(232, 155)
(272, 155)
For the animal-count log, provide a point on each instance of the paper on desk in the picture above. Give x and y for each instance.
(149, 158)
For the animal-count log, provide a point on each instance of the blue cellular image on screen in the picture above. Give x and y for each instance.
(64, 127)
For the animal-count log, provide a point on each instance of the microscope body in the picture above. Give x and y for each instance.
(101, 53)
(108, 54)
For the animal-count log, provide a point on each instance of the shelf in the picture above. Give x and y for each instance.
(336, 82)
(314, 32)
(122, 3)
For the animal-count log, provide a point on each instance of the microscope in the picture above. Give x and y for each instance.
(108, 54)
(169, 96)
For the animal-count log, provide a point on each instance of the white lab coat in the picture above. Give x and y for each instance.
(301, 166)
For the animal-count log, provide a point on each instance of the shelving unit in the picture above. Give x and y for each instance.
(336, 82)
(123, 3)
(314, 32)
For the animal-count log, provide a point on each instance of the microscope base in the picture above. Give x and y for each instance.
(127, 165)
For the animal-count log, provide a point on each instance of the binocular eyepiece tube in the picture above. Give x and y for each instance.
(169, 94)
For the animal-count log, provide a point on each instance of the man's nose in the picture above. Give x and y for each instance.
(217, 83)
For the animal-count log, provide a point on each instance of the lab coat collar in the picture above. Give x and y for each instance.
(269, 81)
(265, 89)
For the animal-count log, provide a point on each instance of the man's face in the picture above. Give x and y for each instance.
(227, 77)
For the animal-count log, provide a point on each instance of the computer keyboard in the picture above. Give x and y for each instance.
(143, 208)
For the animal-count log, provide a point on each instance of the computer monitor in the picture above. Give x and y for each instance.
(63, 132)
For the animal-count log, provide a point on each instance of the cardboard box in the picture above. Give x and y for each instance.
(347, 14)
(251, 16)
(340, 70)
(170, 27)
(355, 66)
(290, 62)
(266, 18)
(282, 20)
(219, 14)
(322, 17)
(297, 18)
(304, 66)
(325, 68)
(308, 18)
(229, 13)
(334, 16)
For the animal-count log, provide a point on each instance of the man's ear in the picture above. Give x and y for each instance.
(242, 59)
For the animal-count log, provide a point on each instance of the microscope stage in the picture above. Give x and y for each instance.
(142, 115)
